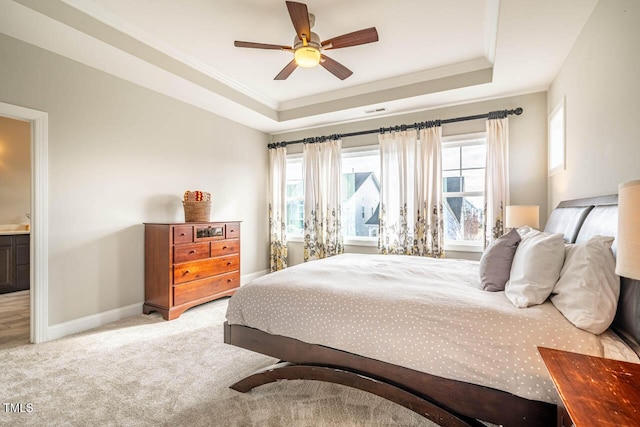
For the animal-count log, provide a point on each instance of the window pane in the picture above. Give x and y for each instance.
(473, 180)
(452, 184)
(463, 218)
(295, 217)
(450, 158)
(294, 170)
(294, 198)
(360, 195)
(473, 156)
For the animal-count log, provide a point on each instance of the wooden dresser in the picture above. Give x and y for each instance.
(187, 264)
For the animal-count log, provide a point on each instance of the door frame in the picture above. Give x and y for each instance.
(39, 256)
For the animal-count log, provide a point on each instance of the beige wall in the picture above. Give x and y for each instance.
(121, 155)
(15, 171)
(601, 81)
(527, 148)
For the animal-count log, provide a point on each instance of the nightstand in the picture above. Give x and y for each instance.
(594, 391)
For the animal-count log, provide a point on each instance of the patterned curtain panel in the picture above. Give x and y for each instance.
(322, 166)
(277, 206)
(429, 230)
(496, 188)
(397, 188)
(411, 210)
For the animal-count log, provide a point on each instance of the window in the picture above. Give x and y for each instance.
(557, 138)
(463, 174)
(361, 194)
(295, 197)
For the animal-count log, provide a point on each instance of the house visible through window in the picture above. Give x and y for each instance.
(360, 193)
(463, 175)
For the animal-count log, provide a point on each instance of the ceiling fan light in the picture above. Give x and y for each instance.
(307, 56)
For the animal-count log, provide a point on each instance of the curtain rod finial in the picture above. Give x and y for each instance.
(518, 111)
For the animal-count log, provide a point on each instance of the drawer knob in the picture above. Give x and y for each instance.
(224, 247)
(228, 280)
(229, 263)
(186, 272)
(192, 251)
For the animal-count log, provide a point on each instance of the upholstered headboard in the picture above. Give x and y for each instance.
(581, 219)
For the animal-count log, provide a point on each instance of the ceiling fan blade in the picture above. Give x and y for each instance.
(368, 35)
(287, 70)
(335, 68)
(261, 45)
(300, 19)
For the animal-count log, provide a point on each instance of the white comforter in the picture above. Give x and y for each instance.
(421, 313)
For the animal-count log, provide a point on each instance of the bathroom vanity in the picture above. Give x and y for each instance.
(14, 261)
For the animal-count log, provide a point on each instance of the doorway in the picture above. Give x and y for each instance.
(15, 214)
(38, 240)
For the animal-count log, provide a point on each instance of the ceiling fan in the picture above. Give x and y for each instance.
(307, 47)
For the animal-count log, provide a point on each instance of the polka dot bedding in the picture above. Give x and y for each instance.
(425, 314)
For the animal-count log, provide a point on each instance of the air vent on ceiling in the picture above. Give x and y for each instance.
(377, 110)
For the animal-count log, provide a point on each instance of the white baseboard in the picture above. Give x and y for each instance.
(84, 323)
(246, 278)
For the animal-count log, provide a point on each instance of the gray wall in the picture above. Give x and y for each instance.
(527, 149)
(600, 79)
(15, 171)
(121, 155)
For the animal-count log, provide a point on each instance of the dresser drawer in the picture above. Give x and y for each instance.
(209, 232)
(225, 247)
(233, 231)
(183, 234)
(196, 251)
(200, 269)
(205, 287)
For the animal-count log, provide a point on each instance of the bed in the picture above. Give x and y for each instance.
(419, 345)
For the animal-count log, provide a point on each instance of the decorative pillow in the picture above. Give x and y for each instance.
(588, 290)
(535, 269)
(495, 264)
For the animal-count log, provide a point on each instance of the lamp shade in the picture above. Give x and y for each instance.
(628, 258)
(521, 215)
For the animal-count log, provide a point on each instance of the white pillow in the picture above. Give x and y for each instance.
(588, 290)
(535, 269)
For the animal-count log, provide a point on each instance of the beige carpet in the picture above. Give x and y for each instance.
(143, 371)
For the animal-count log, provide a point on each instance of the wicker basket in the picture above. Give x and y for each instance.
(197, 211)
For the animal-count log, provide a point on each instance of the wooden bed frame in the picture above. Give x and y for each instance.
(448, 403)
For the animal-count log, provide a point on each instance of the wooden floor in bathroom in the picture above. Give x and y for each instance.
(14, 319)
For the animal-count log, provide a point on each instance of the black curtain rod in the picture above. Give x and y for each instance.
(500, 114)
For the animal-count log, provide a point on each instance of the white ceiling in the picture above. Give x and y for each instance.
(431, 53)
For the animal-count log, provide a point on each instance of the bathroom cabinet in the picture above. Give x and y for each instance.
(14, 262)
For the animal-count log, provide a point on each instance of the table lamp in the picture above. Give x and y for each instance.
(628, 257)
(521, 215)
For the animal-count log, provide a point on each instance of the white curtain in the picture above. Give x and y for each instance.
(322, 165)
(411, 215)
(429, 239)
(397, 164)
(496, 189)
(277, 206)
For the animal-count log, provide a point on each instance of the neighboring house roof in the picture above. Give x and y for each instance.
(361, 177)
(375, 217)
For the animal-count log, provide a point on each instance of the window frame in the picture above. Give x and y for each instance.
(464, 140)
(354, 152)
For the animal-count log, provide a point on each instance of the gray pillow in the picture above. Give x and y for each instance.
(495, 264)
